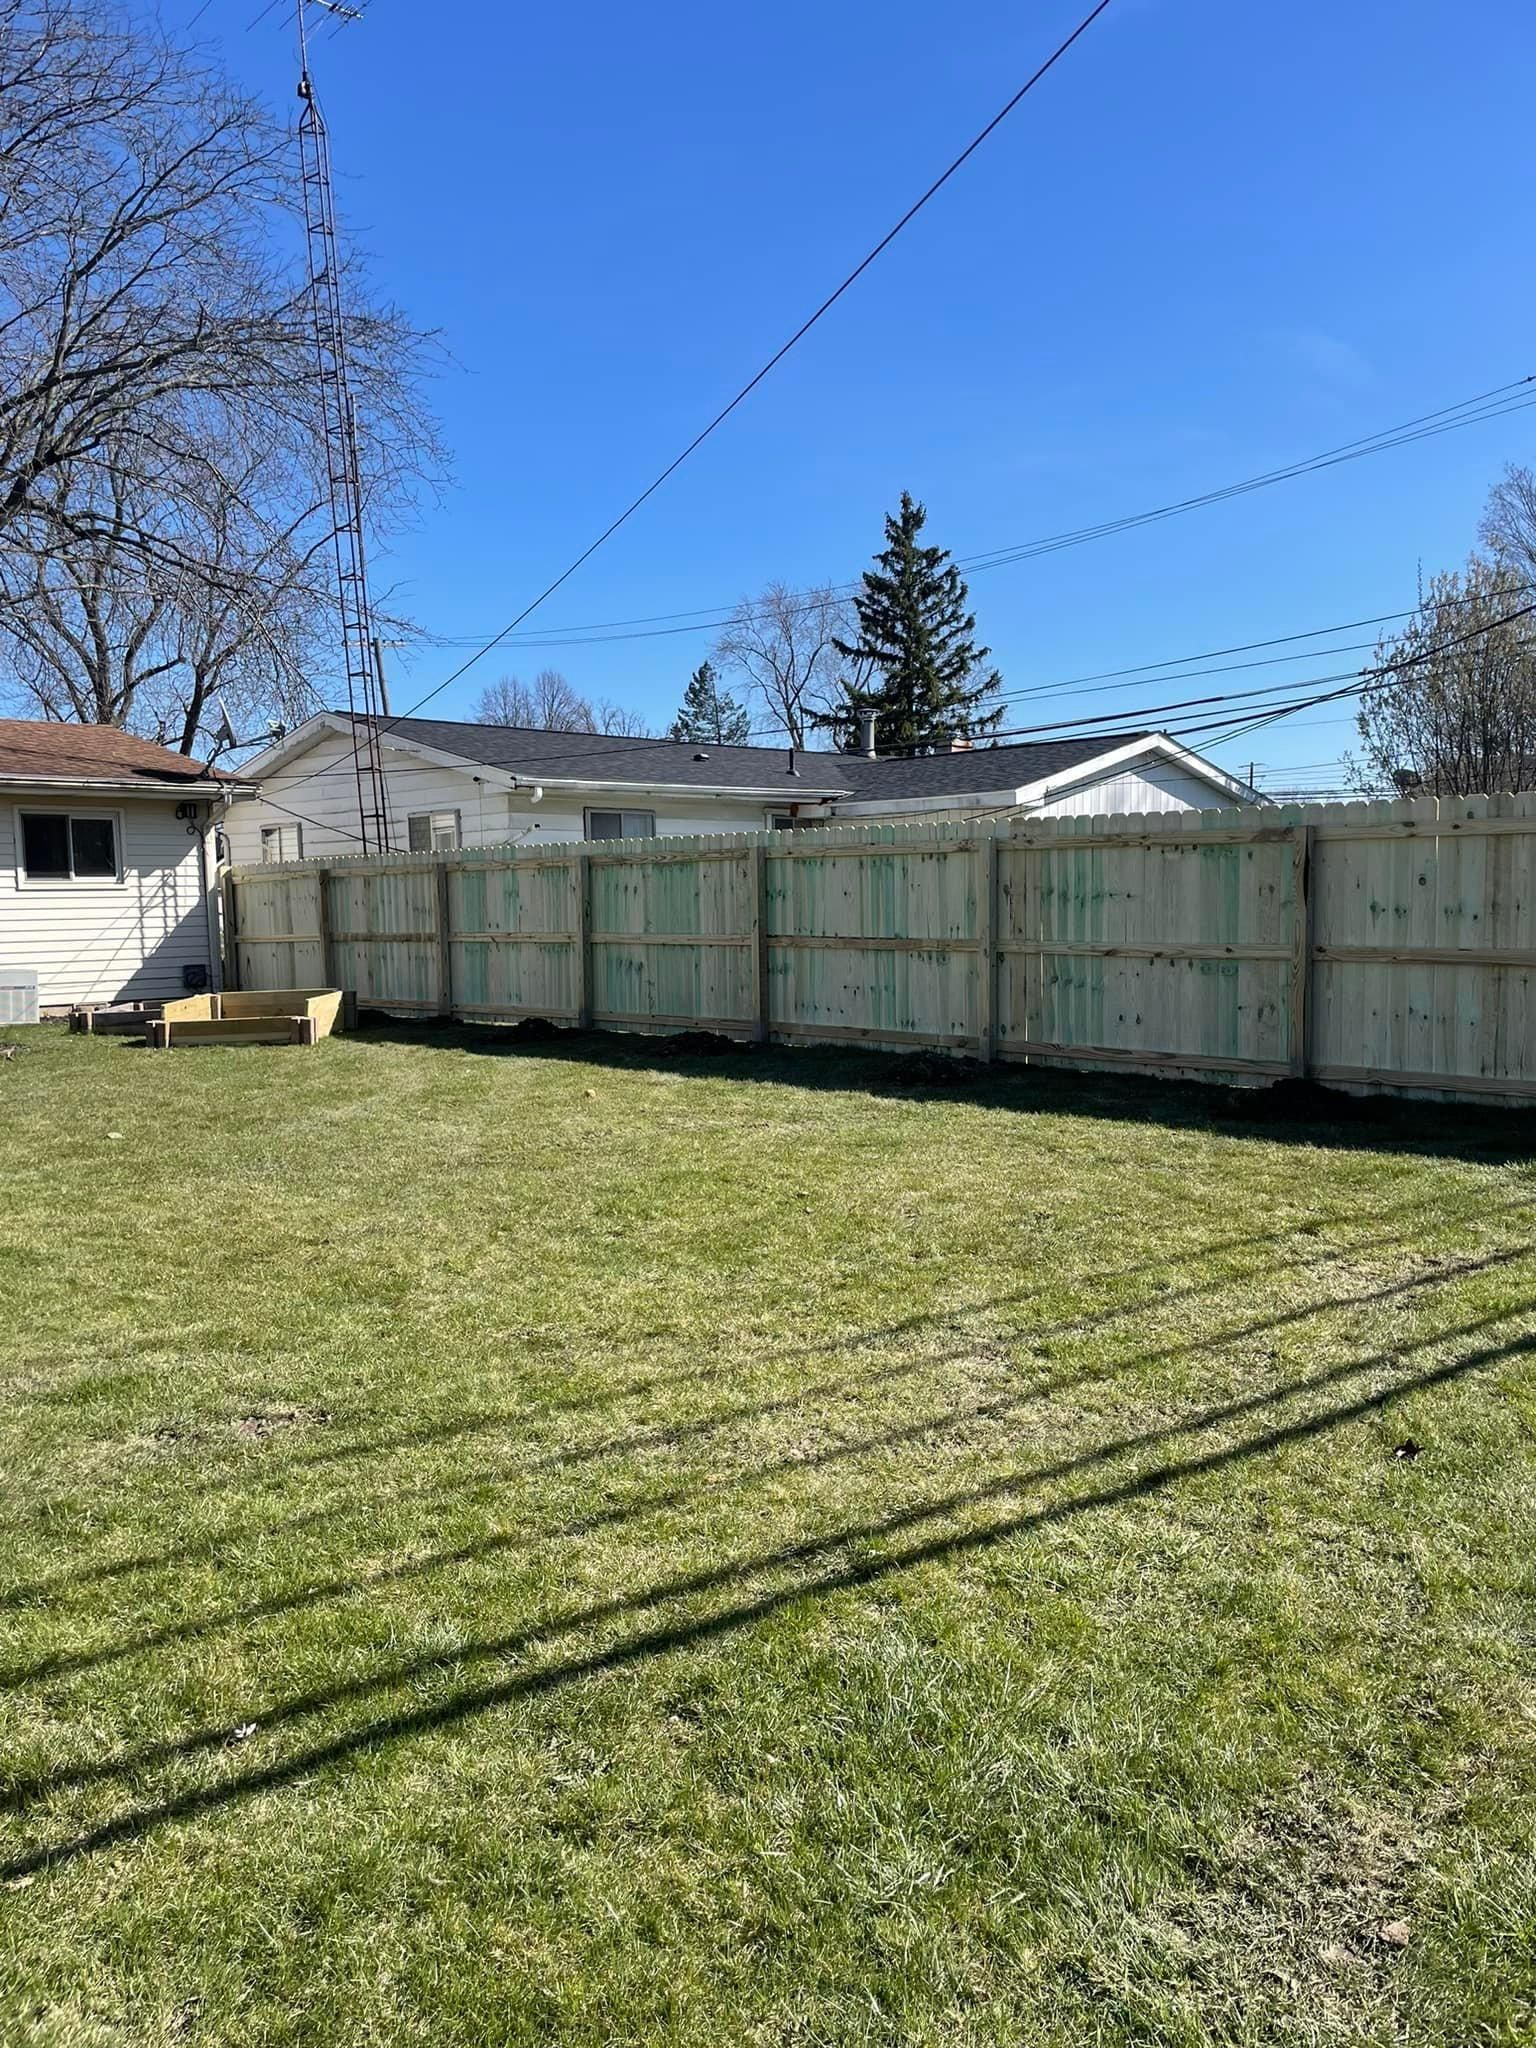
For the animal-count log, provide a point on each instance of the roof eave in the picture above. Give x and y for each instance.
(114, 785)
(782, 793)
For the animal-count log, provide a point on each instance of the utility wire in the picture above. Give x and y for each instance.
(1495, 403)
(1357, 679)
(772, 363)
(1251, 718)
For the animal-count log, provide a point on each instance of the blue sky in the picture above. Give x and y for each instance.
(1218, 238)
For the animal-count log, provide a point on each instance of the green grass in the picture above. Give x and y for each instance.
(547, 1545)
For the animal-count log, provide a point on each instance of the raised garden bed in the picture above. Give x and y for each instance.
(280, 1016)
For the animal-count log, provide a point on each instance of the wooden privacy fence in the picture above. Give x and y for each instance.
(1388, 944)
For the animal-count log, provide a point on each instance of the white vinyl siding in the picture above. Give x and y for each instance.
(103, 939)
(319, 784)
(1140, 786)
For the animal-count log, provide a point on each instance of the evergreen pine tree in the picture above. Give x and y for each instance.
(915, 662)
(709, 713)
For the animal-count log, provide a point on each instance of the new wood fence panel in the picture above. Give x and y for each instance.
(1424, 946)
(671, 934)
(1150, 937)
(514, 938)
(871, 936)
(384, 934)
(280, 931)
(1385, 944)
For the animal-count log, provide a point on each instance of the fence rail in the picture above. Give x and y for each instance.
(1391, 945)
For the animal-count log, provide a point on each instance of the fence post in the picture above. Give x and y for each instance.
(323, 928)
(444, 944)
(759, 936)
(1301, 949)
(986, 944)
(583, 940)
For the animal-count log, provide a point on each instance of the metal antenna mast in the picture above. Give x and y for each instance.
(343, 470)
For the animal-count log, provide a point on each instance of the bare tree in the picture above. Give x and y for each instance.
(155, 350)
(782, 644)
(550, 703)
(1508, 526)
(1453, 712)
(95, 628)
(622, 719)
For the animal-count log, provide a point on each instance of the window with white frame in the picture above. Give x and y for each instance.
(782, 821)
(69, 846)
(433, 831)
(621, 824)
(282, 842)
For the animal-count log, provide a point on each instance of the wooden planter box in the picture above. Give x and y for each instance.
(123, 1020)
(274, 1016)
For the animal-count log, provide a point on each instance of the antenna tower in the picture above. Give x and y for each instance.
(343, 470)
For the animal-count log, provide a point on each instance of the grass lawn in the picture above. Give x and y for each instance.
(511, 1544)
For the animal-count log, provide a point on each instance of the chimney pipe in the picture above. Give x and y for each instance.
(867, 735)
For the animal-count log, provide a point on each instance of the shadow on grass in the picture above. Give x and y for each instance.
(850, 1575)
(462, 1427)
(665, 1436)
(1286, 1111)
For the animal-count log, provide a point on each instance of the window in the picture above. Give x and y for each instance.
(56, 847)
(621, 824)
(433, 831)
(782, 821)
(282, 842)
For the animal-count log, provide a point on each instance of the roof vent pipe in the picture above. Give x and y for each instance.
(867, 734)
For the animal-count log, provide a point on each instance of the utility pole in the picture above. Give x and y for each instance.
(343, 467)
(378, 663)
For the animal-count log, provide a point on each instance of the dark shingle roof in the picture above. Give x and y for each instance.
(45, 749)
(604, 757)
(979, 768)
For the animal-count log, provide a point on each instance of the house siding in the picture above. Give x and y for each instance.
(108, 941)
(321, 786)
(1151, 786)
(318, 789)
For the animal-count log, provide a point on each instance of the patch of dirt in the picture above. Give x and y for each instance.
(1315, 1901)
(534, 1030)
(267, 1422)
(696, 1044)
(933, 1070)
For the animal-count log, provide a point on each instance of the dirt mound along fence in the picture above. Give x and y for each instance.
(1391, 945)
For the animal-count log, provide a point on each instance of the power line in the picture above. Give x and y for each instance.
(1356, 680)
(1492, 404)
(1079, 685)
(1070, 684)
(1277, 703)
(773, 361)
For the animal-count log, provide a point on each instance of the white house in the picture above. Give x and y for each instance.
(107, 867)
(453, 784)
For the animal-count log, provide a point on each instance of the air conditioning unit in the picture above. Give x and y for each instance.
(18, 995)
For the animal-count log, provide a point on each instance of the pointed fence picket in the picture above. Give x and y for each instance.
(1374, 944)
